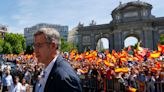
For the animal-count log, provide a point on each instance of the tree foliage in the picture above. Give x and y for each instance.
(14, 42)
(17, 48)
(1, 45)
(162, 39)
(66, 47)
(7, 49)
(29, 50)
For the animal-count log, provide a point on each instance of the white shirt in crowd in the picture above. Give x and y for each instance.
(7, 80)
(16, 88)
(24, 87)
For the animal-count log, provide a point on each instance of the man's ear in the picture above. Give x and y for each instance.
(53, 44)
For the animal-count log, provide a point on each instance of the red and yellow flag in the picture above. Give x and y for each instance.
(109, 64)
(124, 70)
(160, 48)
(131, 89)
(155, 54)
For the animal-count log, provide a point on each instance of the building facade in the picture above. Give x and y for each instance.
(29, 32)
(128, 19)
(3, 30)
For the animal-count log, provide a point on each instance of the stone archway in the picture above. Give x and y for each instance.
(102, 44)
(131, 40)
(127, 20)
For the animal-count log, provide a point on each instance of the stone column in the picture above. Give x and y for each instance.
(117, 40)
(156, 38)
(111, 42)
(93, 45)
(80, 43)
(148, 39)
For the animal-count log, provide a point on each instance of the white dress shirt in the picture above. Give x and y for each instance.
(45, 74)
(16, 88)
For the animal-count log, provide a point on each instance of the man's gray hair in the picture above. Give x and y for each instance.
(51, 34)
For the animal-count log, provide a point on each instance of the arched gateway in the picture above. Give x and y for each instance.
(132, 18)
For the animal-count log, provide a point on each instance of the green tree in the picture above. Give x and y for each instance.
(162, 39)
(17, 48)
(11, 38)
(22, 40)
(7, 49)
(66, 47)
(29, 50)
(1, 45)
(17, 41)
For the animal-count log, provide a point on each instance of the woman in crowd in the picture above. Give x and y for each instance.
(6, 80)
(25, 86)
(16, 86)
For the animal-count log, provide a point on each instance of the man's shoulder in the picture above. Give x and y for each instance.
(19, 84)
(61, 62)
(62, 67)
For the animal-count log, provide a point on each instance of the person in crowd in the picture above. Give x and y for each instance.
(36, 72)
(1, 71)
(27, 75)
(151, 83)
(16, 86)
(58, 75)
(0, 76)
(7, 80)
(37, 84)
(25, 86)
(141, 79)
(8, 67)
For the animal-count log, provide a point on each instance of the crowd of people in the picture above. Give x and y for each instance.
(22, 76)
(138, 69)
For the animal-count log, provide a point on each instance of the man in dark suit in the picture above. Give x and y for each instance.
(58, 75)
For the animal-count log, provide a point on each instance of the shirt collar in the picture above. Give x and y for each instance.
(46, 73)
(49, 67)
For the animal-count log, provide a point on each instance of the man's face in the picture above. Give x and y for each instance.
(16, 80)
(42, 48)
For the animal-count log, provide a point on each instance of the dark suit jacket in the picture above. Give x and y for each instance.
(62, 78)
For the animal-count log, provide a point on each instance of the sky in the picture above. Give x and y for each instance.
(18, 14)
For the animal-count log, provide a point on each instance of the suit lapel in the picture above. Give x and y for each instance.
(51, 75)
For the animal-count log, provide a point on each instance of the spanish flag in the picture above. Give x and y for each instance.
(155, 54)
(109, 55)
(124, 70)
(109, 64)
(98, 61)
(123, 59)
(113, 59)
(83, 71)
(160, 48)
(131, 89)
